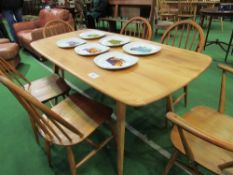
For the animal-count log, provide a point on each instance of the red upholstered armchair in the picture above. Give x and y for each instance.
(32, 30)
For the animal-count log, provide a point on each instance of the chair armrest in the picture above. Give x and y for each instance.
(27, 25)
(37, 34)
(226, 68)
(194, 130)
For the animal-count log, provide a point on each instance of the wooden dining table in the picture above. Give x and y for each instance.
(154, 76)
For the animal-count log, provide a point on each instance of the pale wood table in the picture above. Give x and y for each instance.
(153, 78)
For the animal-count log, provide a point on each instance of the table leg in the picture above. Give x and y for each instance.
(229, 46)
(208, 30)
(120, 112)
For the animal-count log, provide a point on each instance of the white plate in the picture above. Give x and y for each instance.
(140, 48)
(92, 34)
(91, 49)
(70, 42)
(114, 41)
(115, 60)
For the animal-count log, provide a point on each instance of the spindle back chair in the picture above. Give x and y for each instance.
(68, 123)
(137, 27)
(56, 27)
(188, 35)
(44, 89)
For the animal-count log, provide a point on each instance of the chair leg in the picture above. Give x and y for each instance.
(170, 106)
(112, 129)
(34, 130)
(71, 160)
(186, 96)
(170, 163)
(48, 152)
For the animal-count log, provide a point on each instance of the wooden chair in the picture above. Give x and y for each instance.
(204, 136)
(137, 27)
(67, 124)
(165, 12)
(188, 35)
(44, 89)
(186, 10)
(56, 27)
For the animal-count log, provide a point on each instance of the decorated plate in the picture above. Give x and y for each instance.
(91, 49)
(115, 60)
(112, 41)
(70, 42)
(139, 48)
(92, 34)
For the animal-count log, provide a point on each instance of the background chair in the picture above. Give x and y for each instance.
(204, 136)
(188, 35)
(29, 31)
(44, 89)
(56, 27)
(186, 10)
(68, 123)
(137, 27)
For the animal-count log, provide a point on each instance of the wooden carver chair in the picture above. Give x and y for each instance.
(44, 89)
(68, 123)
(56, 27)
(187, 35)
(204, 135)
(137, 27)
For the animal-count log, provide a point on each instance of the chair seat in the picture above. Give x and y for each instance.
(83, 113)
(218, 125)
(46, 88)
(163, 24)
(185, 16)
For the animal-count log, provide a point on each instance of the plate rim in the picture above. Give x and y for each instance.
(114, 45)
(141, 54)
(94, 54)
(115, 68)
(83, 42)
(103, 34)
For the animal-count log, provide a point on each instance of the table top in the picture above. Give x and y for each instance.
(194, 2)
(152, 78)
(216, 11)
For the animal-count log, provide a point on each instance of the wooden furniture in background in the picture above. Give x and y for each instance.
(213, 13)
(44, 89)
(153, 78)
(204, 135)
(137, 27)
(122, 10)
(186, 10)
(68, 123)
(188, 35)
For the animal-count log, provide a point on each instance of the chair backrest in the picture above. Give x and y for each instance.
(10, 72)
(56, 27)
(225, 69)
(44, 118)
(186, 7)
(185, 34)
(137, 27)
